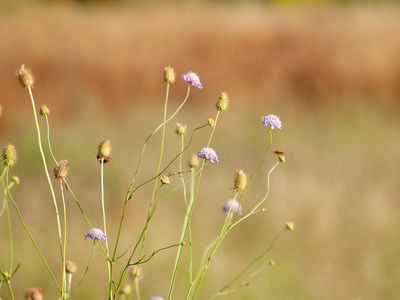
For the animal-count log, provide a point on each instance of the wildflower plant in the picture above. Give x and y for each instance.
(188, 176)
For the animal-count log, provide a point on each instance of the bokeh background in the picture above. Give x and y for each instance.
(330, 70)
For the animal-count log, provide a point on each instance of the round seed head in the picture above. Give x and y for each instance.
(61, 171)
(10, 155)
(241, 179)
(194, 162)
(44, 110)
(104, 151)
(223, 102)
(25, 77)
(165, 180)
(169, 74)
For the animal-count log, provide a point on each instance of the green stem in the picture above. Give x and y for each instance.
(65, 241)
(45, 169)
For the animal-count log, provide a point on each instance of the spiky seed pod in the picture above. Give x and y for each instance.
(61, 171)
(25, 77)
(34, 294)
(193, 162)
(241, 179)
(104, 151)
(44, 110)
(10, 155)
(222, 102)
(165, 180)
(70, 267)
(180, 129)
(169, 74)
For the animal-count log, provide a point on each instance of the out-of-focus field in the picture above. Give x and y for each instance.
(331, 72)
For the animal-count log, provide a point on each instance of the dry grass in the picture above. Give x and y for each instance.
(331, 72)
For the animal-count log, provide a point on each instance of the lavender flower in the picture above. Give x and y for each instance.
(272, 120)
(96, 234)
(208, 153)
(235, 207)
(193, 79)
(156, 298)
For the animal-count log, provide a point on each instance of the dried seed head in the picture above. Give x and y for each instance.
(34, 294)
(61, 171)
(70, 267)
(165, 180)
(44, 110)
(241, 179)
(193, 162)
(223, 102)
(104, 151)
(9, 155)
(169, 74)
(25, 76)
(135, 270)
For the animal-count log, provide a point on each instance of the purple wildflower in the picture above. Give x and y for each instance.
(235, 207)
(193, 79)
(156, 298)
(96, 234)
(272, 120)
(208, 153)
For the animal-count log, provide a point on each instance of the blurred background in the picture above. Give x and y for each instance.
(329, 69)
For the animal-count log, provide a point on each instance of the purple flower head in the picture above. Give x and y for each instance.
(272, 120)
(156, 298)
(96, 234)
(235, 207)
(193, 79)
(208, 153)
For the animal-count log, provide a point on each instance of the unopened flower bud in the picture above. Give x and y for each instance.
(104, 151)
(241, 179)
(44, 110)
(135, 272)
(61, 171)
(165, 180)
(290, 226)
(34, 294)
(169, 74)
(193, 162)
(126, 289)
(281, 158)
(15, 179)
(70, 267)
(25, 76)
(9, 155)
(272, 263)
(180, 129)
(211, 122)
(223, 102)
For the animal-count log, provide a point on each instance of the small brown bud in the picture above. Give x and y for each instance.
(104, 151)
(34, 294)
(165, 180)
(61, 171)
(25, 76)
(70, 267)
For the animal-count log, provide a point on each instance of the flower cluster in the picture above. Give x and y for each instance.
(209, 154)
(193, 79)
(272, 120)
(96, 234)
